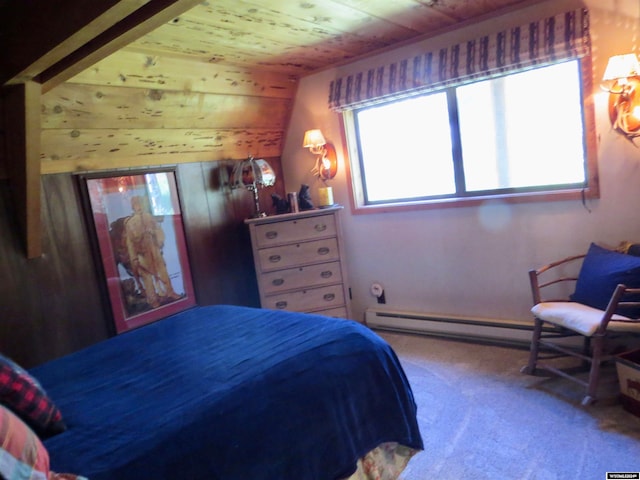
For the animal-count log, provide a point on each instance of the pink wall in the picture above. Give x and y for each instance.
(474, 260)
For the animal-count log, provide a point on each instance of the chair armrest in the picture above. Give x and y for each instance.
(625, 298)
(617, 303)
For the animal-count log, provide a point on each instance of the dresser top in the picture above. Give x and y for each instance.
(292, 216)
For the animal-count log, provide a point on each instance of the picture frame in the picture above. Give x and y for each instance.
(139, 238)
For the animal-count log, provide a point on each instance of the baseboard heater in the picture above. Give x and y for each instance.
(509, 332)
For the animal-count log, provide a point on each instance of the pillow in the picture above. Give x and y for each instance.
(22, 393)
(602, 270)
(22, 455)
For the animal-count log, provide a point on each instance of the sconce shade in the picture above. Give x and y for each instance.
(253, 175)
(314, 140)
(621, 66)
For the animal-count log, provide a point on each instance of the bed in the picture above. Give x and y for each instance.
(226, 392)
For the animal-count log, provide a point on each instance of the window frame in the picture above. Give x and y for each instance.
(355, 176)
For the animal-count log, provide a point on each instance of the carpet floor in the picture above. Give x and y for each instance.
(481, 418)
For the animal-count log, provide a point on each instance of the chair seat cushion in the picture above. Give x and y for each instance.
(581, 318)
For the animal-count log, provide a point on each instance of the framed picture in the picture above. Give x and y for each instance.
(141, 245)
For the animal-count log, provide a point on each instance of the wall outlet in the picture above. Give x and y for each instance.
(378, 291)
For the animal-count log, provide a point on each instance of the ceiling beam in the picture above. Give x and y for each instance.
(37, 34)
(147, 18)
(53, 41)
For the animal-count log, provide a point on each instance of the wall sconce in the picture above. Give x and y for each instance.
(622, 80)
(253, 175)
(326, 165)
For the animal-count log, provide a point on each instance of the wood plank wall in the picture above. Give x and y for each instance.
(56, 304)
(132, 110)
(3, 147)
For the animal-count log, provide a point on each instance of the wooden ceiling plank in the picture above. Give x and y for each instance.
(243, 25)
(106, 149)
(461, 10)
(334, 16)
(415, 15)
(281, 71)
(144, 20)
(62, 26)
(251, 52)
(293, 23)
(133, 69)
(87, 106)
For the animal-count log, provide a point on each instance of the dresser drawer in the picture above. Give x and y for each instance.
(295, 230)
(340, 312)
(286, 256)
(299, 277)
(306, 300)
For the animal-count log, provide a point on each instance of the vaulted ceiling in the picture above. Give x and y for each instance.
(44, 40)
(301, 36)
(198, 80)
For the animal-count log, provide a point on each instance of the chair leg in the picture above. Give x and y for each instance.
(530, 368)
(586, 351)
(594, 371)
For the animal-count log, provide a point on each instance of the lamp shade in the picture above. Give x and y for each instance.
(313, 139)
(621, 66)
(253, 175)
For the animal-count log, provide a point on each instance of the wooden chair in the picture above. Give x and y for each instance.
(557, 319)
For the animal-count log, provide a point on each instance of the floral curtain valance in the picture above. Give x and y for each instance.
(560, 37)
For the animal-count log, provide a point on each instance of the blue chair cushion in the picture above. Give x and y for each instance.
(602, 270)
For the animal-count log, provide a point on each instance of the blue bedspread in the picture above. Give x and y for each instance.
(229, 393)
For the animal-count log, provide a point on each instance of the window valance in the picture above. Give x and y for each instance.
(560, 37)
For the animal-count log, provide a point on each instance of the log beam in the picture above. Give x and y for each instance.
(72, 35)
(22, 155)
(37, 34)
(147, 18)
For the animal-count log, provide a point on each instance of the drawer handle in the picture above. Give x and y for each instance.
(271, 234)
(281, 304)
(320, 227)
(277, 281)
(329, 296)
(275, 258)
(323, 250)
(326, 274)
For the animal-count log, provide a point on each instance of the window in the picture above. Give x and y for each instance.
(518, 135)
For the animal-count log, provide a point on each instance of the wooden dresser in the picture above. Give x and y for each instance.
(299, 261)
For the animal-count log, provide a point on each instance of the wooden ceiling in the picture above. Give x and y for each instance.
(302, 36)
(294, 37)
(218, 54)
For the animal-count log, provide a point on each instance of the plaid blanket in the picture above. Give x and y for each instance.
(22, 454)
